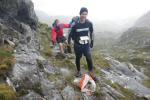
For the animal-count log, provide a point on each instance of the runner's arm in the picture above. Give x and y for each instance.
(71, 35)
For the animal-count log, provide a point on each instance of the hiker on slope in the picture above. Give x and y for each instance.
(58, 35)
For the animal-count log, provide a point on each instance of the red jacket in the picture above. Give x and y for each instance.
(58, 33)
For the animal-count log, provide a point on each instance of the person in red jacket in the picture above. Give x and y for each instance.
(58, 34)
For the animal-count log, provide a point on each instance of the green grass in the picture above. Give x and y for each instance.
(66, 63)
(44, 33)
(147, 83)
(98, 60)
(137, 61)
(6, 93)
(147, 71)
(54, 77)
(25, 85)
(6, 59)
(129, 95)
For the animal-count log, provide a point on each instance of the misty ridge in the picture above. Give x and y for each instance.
(109, 32)
(123, 32)
(102, 29)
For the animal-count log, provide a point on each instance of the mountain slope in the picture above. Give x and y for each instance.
(139, 35)
(136, 37)
(49, 19)
(143, 21)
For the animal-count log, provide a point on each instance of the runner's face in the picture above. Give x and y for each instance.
(83, 15)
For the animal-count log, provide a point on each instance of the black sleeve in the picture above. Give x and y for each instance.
(71, 34)
(91, 31)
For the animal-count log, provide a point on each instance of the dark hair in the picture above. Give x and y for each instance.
(83, 9)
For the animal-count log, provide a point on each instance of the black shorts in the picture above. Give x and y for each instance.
(61, 40)
(82, 50)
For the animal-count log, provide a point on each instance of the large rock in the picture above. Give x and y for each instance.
(68, 93)
(31, 96)
(127, 76)
(21, 10)
(29, 75)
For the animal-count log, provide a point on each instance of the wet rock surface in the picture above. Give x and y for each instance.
(127, 76)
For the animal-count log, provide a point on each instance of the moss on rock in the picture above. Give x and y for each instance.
(6, 59)
(44, 32)
(7, 93)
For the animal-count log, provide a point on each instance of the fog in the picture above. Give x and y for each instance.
(98, 9)
(108, 16)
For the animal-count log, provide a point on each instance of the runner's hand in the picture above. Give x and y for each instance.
(91, 44)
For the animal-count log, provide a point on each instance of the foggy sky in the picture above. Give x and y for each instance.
(98, 9)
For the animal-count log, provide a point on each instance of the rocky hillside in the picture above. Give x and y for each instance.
(31, 70)
(134, 44)
(137, 36)
(16, 11)
(143, 21)
(134, 47)
(19, 45)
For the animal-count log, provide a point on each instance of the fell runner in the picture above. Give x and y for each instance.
(83, 42)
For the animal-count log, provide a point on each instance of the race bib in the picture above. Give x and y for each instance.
(85, 38)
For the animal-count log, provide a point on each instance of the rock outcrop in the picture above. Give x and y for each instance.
(15, 11)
